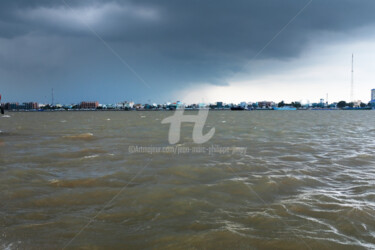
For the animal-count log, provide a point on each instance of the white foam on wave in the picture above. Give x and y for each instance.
(9, 246)
(53, 181)
(6, 116)
(108, 119)
(91, 156)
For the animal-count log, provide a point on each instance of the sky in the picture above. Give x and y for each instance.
(192, 51)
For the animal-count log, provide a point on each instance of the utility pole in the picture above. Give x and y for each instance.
(1, 107)
(352, 81)
(52, 97)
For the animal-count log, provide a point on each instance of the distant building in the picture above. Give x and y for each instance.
(265, 104)
(202, 105)
(219, 105)
(109, 106)
(373, 98)
(69, 106)
(23, 106)
(333, 105)
(176, 105)
(11, 106)
(191, 106)
(89, 105)
(180, 105)
(147, 106)
(129, 105)
(28, 105)
(138, 106)
(357, 104)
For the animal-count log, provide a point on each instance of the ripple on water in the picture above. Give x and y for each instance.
(81, 153)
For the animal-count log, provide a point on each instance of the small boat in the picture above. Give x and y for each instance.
(323, 109)
(284, 108)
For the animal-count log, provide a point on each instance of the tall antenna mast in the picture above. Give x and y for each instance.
(352, 81)
(52, 97)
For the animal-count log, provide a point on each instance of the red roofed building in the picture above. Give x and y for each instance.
(89, 105)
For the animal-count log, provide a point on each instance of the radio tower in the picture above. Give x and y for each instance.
(52, 97)
(352, 81)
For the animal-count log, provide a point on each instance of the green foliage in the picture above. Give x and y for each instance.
(296, 104)
(281, 104)
(342, 104)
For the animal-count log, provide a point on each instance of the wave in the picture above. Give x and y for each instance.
(91, 156)
(80, 136)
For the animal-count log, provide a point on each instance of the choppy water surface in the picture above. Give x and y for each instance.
(307, 181)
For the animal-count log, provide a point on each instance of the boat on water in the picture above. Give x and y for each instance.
(237, 108)
(284, 108)
(356, 108)
(324, 109)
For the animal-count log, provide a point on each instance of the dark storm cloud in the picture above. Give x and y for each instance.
(168, 43)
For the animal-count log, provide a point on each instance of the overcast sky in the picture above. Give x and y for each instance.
(195, 50)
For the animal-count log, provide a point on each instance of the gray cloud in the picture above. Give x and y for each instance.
(171, 44)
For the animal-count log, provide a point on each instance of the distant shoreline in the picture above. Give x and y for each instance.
(166, 110)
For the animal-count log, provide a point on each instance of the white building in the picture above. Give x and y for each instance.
(357, 103)
(129, 104)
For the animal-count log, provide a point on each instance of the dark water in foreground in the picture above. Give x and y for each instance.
(307, 181)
